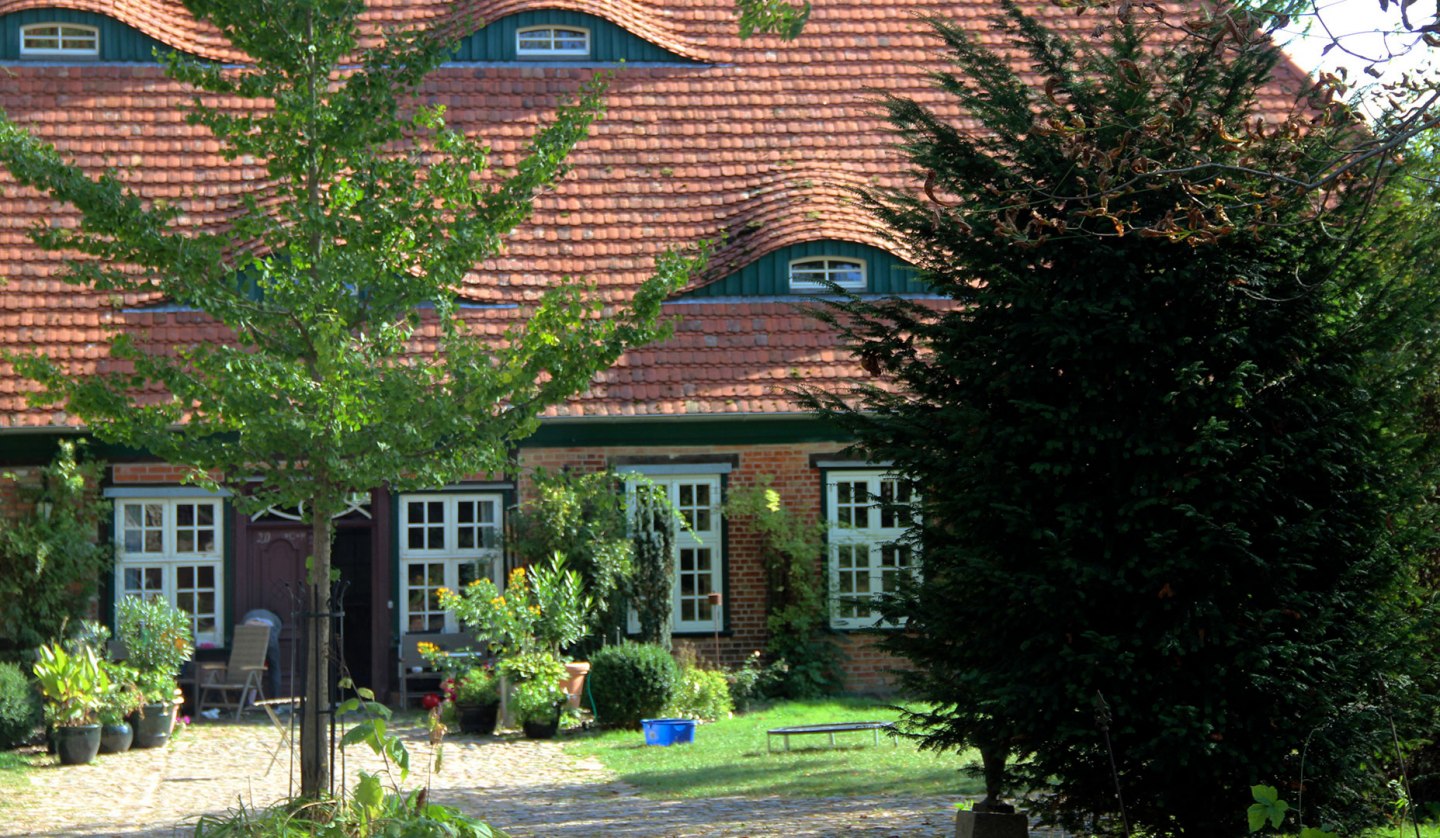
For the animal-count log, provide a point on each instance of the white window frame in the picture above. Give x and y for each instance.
(692, 541)
(446, 555)
(555, 35)
(169, 556)
(62, 32)
(827, 268)
(870, 538)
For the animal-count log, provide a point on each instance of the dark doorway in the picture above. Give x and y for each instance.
(354, 559)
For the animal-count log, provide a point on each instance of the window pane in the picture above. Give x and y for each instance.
(154, 515)
(185, 576)
(415, 513)
(185, 514)
(153, 543)
(185, 541)
(207, 576)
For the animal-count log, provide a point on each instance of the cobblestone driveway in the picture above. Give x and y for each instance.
(528, 788)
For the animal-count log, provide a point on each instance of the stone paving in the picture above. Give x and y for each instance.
(528, 788)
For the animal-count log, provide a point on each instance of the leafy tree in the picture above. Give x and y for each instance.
(792, 551)
(353, 364)
(581, 517)
(1166, 425)
(650, 586)
(51, 561)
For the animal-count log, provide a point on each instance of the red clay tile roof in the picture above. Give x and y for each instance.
(765, 142)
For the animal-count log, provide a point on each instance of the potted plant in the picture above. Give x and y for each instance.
(159, 639)
(73, 684)
(539, 693)
(117, 705)
(476, 696)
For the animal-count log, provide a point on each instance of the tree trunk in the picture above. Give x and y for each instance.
(314, 744)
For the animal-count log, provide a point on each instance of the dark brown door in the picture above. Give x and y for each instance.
(270, 574)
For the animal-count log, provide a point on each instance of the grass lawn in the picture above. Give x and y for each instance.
(729, 758)
(13, 766)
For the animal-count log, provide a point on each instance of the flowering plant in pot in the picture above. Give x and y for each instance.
(475, 695)
(543, 608)
(159, 639)
(73, 684)
(538, 698)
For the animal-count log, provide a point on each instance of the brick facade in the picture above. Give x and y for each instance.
(866, 668)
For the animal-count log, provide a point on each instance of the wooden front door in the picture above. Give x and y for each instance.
(270, 574)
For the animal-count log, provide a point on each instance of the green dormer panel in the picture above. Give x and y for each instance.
(604, 41)
(798, 268)
(82, 36)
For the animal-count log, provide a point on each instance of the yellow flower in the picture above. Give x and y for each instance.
(474, 583)
(535, 609)
(498, 601)
(444, 591)
(425, 648)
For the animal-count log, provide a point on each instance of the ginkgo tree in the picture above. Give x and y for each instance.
(351, 362)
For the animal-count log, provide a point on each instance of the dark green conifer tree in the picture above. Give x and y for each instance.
(1164, 421)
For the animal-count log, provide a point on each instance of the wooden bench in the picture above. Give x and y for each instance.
(830, 729)
(412, 667)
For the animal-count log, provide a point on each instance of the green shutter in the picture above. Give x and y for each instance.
(118, 41)
(608, 42)
(769, 276)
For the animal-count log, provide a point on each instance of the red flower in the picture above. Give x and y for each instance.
(431, 701)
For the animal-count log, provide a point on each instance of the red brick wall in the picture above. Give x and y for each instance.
(865, 667)
(15, 488)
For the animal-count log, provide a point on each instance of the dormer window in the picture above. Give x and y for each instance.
(812, 274)
(59, 40)
(552, 42)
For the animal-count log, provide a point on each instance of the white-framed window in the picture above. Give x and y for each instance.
(59, 40)
(446, 541)
(868, 513)
(813, 272)
(172, 548)
(698, 548)
(552, 42)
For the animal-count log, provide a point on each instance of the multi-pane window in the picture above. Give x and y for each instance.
(552, 42)
(446, 541)
(869, 512)
(60, 40)
(171, 548)
(814, 274)
(697, 548)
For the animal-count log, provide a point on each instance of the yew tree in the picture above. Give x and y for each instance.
(1167, 420)
(352, 363)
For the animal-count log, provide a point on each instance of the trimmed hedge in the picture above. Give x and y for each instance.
(630, 682)
(19, 707)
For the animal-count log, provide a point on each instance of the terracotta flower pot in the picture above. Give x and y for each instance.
(574, 682)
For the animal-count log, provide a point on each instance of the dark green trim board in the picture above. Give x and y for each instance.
(228, 613)
(769, 276)
(396, 589)
(608, 42)
(660, 432)
(118, 41)
(22, 448)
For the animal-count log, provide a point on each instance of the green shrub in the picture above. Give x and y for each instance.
(701, 694)
(19, 706)
(630, 682)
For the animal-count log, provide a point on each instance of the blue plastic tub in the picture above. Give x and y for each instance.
(666, 732)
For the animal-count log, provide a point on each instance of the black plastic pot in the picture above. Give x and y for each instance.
(153, 725)
(540, 730)
(478, 718)
(116, 738)
(77, 745)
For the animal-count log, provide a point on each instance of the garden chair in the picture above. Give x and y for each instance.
(413, 669)
(241, 675)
